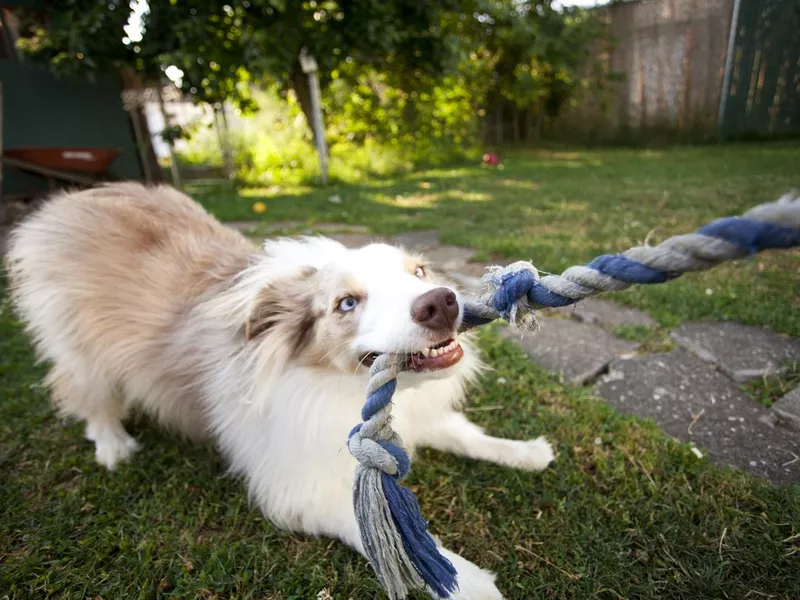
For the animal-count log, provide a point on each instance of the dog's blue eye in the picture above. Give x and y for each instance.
(347, 304)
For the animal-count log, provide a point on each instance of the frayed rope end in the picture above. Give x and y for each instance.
(507, 291)
(396, 539)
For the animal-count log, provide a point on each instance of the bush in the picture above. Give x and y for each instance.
(367, 136)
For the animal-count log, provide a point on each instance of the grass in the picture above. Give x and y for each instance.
(625, 512)
(770, 388)
(560, 208)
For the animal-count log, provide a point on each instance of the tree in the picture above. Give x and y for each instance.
(539, 55)
(222, 46)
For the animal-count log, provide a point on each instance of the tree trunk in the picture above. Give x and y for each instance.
(221, 125)
(303, 93)
(537, 134)
(515, 124)
(528, 124)
(498, 132)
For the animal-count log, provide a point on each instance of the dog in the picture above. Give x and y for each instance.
(139, 298)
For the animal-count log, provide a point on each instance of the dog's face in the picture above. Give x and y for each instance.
(341, 308)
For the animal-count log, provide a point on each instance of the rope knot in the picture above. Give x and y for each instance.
(508, 289)
(384, 455)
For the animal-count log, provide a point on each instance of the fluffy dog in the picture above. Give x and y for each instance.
(139, 298)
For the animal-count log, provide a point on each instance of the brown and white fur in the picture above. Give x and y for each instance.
(139, 298)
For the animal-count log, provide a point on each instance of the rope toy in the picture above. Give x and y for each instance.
(394, 534)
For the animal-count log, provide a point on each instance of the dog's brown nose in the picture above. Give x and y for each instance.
(437, 309)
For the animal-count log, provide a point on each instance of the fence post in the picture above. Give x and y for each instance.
(726, 80)
(173, 163)
(221, 125)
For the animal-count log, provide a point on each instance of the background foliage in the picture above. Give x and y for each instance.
(403, 83)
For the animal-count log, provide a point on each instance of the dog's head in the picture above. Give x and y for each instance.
(316, 303)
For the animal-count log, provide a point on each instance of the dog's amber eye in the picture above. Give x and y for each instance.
(420, 272)
(347, 304)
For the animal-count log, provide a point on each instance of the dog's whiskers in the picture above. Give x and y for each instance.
(341, 347)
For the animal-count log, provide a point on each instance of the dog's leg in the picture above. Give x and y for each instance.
(100, 405)
(474, 583)
(454, 433)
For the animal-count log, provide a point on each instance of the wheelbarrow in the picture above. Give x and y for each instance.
(74, 166)
(83, 166)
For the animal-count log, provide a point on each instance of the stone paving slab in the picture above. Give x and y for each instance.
(449, 258)
(577, 351)
(356, 240)
(262, 226)
(604, 313)
(741, 351)
(787, 410)
(338, 228)
(695, 403)
(475, 270)
(468, 277)
(609, 314)
(467, 284)
(416, 240)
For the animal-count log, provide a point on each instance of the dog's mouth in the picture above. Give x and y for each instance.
(434, 358)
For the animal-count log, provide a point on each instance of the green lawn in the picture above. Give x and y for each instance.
(623, 513)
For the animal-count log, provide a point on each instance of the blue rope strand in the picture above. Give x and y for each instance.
(437, 572)
(538, 294)
(378, 399)
(625, 269)
(753, 236)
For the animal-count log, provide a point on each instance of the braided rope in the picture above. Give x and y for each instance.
(517, 290)
(394, 534)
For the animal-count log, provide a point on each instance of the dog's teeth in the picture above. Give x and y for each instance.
(434, 353)
(426, 351)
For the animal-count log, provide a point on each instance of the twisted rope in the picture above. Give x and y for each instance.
(517, 290)
(394, 534)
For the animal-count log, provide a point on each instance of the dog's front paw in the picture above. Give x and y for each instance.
(474, 583)
(113, 445)
(480, 587)
(536, 455)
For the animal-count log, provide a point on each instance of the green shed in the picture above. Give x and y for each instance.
(42, 111)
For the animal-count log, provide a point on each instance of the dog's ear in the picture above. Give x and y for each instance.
(285, 308)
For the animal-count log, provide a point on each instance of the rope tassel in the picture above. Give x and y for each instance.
(395, 536)
(393, 532)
